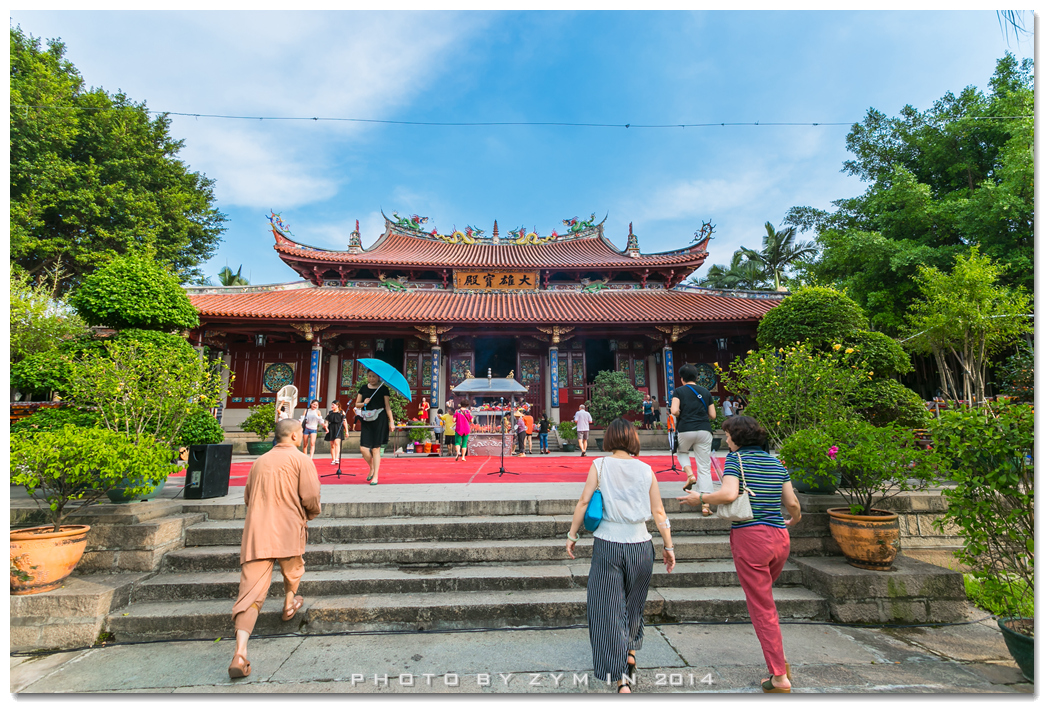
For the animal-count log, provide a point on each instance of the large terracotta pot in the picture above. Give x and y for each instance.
(870, 541)
(46, 556)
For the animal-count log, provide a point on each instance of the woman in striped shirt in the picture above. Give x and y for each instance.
(760, 546)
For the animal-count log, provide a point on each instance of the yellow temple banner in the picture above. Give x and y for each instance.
(496, 280)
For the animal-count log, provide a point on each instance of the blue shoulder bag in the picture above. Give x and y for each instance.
(593, 515)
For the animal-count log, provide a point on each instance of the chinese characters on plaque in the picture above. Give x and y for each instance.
(495, 280)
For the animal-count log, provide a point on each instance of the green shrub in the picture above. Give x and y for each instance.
(874, 463)
(794, 388)
(261, 421)
(613, 396)
(133, 291)
(888, 401)
(879, 353)
(161, 340)
(51, 419)
(41, 374)
(987, 455)
(567, 430)
(817, 316)
(144, 389)
(200, 428)
(58, 467)
(998, 597)
(1016, 375)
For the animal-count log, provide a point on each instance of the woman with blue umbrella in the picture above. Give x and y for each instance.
(373, 407)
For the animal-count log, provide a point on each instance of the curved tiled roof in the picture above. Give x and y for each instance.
(396, 249)
(444, 306)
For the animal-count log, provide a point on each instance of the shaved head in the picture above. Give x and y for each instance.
(285, 429)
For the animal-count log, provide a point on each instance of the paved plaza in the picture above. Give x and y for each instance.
(683, 658)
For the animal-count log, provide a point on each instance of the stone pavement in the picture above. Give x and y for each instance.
(678, 658)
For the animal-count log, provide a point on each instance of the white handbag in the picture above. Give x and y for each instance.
(739, 508)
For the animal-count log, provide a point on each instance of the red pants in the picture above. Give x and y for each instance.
(759, 553)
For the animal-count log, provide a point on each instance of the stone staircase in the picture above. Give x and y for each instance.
(423, 565)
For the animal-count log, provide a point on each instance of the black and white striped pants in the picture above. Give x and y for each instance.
(616, 589)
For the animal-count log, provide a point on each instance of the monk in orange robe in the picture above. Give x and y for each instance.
(281, 496)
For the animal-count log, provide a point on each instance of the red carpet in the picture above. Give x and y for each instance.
(435, 470)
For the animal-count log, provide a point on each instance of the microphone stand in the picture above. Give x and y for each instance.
(672, 438)
(501, 471)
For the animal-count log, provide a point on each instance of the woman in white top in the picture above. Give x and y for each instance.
(622, 557)
(310, 421)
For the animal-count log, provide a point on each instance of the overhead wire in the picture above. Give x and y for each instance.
(474, 124)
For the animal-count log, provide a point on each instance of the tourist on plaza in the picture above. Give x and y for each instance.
(545, 428)
(462, 424)
(656, 410)
(373, 407)
(530, 424)
(281, 497)
(336, 431)
(622, 558)
(647, 412)
(726, 407)
(449, 431)
(693, 409)
(583, 422)
(760, 546)
(281, 414)
(311, 420)
(520, 433)
(439, 427)
(424, 411)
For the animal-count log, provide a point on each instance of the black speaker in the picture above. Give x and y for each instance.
(208, 469)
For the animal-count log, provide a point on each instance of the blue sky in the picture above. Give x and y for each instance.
(599, 67)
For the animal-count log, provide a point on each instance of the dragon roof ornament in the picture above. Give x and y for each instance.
(415, 225)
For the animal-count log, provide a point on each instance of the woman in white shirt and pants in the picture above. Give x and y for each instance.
(622, 557)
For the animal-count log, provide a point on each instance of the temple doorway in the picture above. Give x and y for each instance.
(599, 358)
(497, 353)
(391, 353)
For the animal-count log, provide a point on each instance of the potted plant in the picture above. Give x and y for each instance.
(58, 468)
(419, 436)
(873, 464)
(261, 422)
(567, 433)
(987, 454)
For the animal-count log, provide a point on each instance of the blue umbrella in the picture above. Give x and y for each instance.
(389, 375)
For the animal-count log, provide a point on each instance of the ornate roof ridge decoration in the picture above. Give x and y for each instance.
(233, 289)
(472, 235)
(746, 294)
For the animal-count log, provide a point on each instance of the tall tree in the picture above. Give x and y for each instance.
(226, 277)
(779, 251)
(93, 175)
(957, 175)
(741, 274)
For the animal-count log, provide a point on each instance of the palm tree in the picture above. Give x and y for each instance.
(227, 277)
(780, 250)
(740, 274)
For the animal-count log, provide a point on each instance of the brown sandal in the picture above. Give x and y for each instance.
(289, 612)
(239, 668)
(688, 485)
(768, 687)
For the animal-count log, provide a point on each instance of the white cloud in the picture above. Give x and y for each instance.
(696, 199)
(325, 64)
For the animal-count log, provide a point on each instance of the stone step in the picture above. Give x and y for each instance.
(207, 619)
(419, 528)
(167, 587)
(220, 510)
(437, 553)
